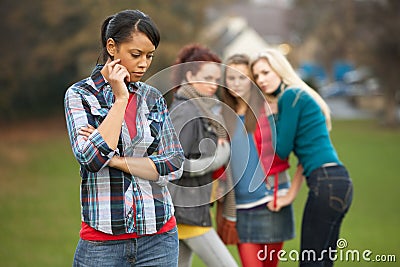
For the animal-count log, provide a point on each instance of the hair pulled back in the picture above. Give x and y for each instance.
(121, 25)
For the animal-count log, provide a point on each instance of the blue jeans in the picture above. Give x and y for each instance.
(159, 250)
(329, 198)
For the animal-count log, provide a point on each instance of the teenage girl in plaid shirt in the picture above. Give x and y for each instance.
(127, 148)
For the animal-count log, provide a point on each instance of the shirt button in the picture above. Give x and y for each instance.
(139, 215)
(135, 189)
(130, 215)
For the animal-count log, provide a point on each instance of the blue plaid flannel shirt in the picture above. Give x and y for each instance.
(112, 201)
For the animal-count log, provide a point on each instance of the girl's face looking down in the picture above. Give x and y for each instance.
(238, 81)
(136, 54)
(265, 77)
(206, 80)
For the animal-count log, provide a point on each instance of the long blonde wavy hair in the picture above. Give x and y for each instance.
(285, 71)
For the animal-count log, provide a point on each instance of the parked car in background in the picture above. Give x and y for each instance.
(355, 82)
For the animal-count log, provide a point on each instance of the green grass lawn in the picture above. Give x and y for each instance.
(39, 196)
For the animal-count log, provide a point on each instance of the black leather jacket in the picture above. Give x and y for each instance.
(191, 194)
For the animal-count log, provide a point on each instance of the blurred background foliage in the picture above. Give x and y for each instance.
(363, 31)
(49, 44)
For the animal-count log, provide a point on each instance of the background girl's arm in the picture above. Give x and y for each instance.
(203, 165)
(287, 199)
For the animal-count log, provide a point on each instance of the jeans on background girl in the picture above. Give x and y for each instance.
(329, 198)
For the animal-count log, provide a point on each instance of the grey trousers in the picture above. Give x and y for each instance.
(210, 249)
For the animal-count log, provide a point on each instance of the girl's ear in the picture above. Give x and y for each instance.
(111, 47)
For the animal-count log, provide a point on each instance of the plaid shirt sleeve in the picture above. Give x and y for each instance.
(169, 157)
(92, 154)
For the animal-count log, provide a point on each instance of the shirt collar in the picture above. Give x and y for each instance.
(97, 77)
(133, 87)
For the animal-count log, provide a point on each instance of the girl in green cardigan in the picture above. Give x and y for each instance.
(302, 120)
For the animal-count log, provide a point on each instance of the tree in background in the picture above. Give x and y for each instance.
(365, 32)
(49, 44)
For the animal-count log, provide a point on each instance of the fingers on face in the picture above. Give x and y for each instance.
(112, 63)
(114, 67)
(117, 70)
(120, 70)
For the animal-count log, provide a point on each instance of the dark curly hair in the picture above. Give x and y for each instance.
(192, 53)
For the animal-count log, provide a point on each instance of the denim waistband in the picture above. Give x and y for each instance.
(329, 171)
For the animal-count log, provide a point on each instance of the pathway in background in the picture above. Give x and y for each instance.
(341, 108)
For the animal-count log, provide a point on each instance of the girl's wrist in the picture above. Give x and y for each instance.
(113, 162)
(290, 197)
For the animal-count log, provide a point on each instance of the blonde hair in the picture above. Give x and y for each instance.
(285, 71)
